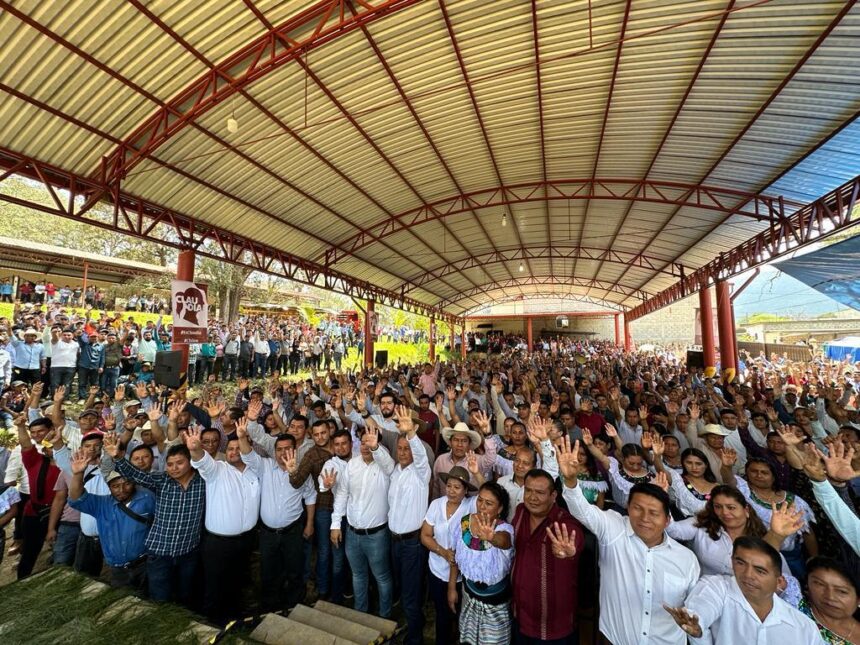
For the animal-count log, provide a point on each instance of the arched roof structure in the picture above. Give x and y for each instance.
(422, 152)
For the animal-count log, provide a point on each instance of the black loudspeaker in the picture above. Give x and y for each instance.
(381, 359)
(695, 359)
(168, 366)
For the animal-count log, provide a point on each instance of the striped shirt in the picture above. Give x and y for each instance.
(178, 512)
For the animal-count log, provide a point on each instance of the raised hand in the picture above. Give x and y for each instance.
(785, 520)
(372, 433)
(94, 389)
(329, 479)
(656, 444)
(838, 463)
(686, 620)
(119, 393)
(538, 429)
(79, 462)
(788, 436)
(472, 463)
(60, 394)
(242, 428)
(254, 409)
(482, 528)
(405, 423)
(661, 479)
(587, 438)
(289, 461)
(568, 460)
(610, 430)
(643, 413)
(728, 457)
(110, 444)
(672, 408)
(563, 541)
(141, 391)
(191, 438)
(243, 383)
(694, 412)
(483, 422)
(154, 413)
(110, 421)
(646, 441)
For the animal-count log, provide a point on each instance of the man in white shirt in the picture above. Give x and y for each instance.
(641, 567)
(744, 608)
(232, 511)
(64, 358)
(362, 497)
(407, 505)
(282, 529)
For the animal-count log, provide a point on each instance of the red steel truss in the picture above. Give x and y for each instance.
(313, 27)
(550, 280)
(772, 209)
(74, 197)
(559, 251)
(825, 216)
(545, 295)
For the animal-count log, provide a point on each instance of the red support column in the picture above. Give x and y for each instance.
(706, 318)
(628, 339)
(184, 271)
(432, 339)
(453, 336)
(369, 320)
(463, 343)
(618, 330)
(725, 328)
(529, 334)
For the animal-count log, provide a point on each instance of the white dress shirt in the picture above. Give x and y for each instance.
(336, 464)
(437, 518)
(94, 484)
(409, 491)
(232, 496)
(636, 580)
(362, 491)
(727, 618)
(280, 503)
(64, 354)
(515, 493)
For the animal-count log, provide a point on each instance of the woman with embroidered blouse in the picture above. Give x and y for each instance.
(727, 515)
(831, 601)
(623, 475)
(483, 555)
(691, 488)
(760, 490)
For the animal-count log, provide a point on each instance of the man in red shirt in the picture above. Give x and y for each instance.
(548, 541)
(42, 475)
(586, 417)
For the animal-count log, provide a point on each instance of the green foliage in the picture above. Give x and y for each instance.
(755, 319)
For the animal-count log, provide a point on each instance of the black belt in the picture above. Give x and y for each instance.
(401, 537)
(132, 564)
(280, 530)
(375, 529)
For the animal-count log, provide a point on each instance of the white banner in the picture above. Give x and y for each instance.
(190, 309)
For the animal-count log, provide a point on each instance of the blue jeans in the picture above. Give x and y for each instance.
(258, 369)
(62, 376)
(109, 379)
(167, 573)
(329, 559)
(66, 544)
(370, 554)
(409, 558)
(86, 377)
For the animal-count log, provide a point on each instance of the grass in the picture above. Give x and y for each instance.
(6, 310)
(55, 607)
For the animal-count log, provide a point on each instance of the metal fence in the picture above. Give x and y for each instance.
(794, 352)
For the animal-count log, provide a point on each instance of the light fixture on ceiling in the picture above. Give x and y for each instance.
(522, 268)
(232, 124)
(504, 219)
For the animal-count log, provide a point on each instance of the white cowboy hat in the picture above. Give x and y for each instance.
(461, 427)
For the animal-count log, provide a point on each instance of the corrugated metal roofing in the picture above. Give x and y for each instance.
(439, 98)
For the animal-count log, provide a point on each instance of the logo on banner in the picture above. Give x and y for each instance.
(190, 309)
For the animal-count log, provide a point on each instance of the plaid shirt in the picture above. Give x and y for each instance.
(178, 511)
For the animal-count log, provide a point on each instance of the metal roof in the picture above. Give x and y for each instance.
(433, 149)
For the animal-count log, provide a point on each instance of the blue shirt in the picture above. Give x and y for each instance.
(92, 353)
(122, 537)
(27, 356)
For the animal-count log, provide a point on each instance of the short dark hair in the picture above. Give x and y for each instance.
(285, 437)
(500, 494)
(320, 422)
(178, 449)
(388, 394)
(758, 544)
(823, 563)
(540, 473)
(651, 490)
(342, 433)
(300, 417)
(140, 446)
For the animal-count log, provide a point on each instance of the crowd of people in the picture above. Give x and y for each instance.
(514, 491)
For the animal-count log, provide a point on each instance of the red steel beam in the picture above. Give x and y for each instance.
(816, 221)
(548, 295)
(723, 18)
(471, 90)
(559, 251)
(605, 120)
(73, 197)
(716, 198)
(776, 92)
(279, 123)
(544, 281)
(420, 123)
(308, 30)
(536, 40)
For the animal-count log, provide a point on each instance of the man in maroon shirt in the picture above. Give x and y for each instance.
(586, 417)
(548, 541)
(42, 475)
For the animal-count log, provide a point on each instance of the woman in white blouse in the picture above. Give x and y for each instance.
(444, 513)
(691, 488)
(632, 468)
(727, 515)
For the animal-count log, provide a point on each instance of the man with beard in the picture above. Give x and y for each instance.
(384, 418)
(232, 511)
